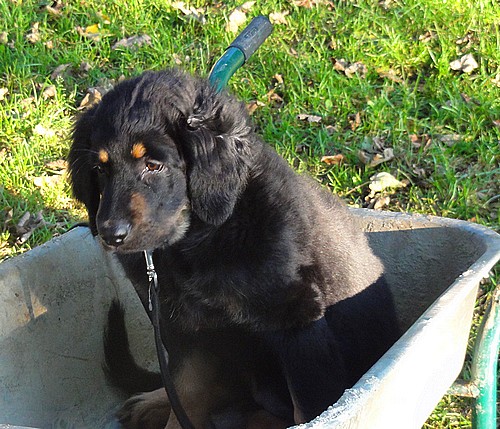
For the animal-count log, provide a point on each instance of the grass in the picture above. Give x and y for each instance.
(442, 125)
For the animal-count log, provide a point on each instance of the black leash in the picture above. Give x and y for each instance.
(154, 308)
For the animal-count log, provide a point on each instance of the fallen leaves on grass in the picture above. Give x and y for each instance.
(466, 64)
(373, 152)
(3, 93)
(55, 9)
(390, 74)
(60, 71)
(381, 181)
(47, 181)
(92, 32)
(279, 17)
(40, 130)
(191, 12)
(59, 166)
(238, 17)
(427, 36)
(309, 118)
(252, 106)
(27, 225)
(308, 4)
(350, 69)
(34, 35)
(333, 159)
(49, 92)
(417, 141)
(449, 139)
(92, 97)
(354, 120)
(133, 42)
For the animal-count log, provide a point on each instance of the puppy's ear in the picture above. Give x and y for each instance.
(217, 146)
(83, 176)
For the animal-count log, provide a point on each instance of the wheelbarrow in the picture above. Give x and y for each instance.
(55, 298)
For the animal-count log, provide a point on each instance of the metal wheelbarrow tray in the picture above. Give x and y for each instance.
(55, 299)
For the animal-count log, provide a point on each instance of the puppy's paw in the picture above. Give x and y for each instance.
(149, 410)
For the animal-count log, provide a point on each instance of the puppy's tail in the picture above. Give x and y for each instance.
(119, 366)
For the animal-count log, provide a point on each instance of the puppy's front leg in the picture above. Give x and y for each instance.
(196, 383)
(146, 410)
(313, 366)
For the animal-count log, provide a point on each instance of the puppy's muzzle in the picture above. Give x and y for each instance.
(114, 233)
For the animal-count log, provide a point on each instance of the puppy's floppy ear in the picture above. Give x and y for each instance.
(82, 175)
(216, 142)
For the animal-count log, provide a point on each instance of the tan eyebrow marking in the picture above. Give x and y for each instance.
(103, 156)
(138, 150)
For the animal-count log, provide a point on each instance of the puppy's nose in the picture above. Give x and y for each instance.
(115, 233)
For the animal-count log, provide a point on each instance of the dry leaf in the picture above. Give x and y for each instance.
(49, 92)
(306, 3)
(340, 65)
(59, 71)
(191, 12)
(279, 17)
(34, 35)
(3, 93)
(272, 96)
(4, 38)
(84, 67)
(47, 181)
(390, 74)
(133, 42)
(357, 68)
(373, 152)
(333, 159)
(27, 225)
(350, 70)
(92, 32)
(309, 118)
(237, 18)
(427, 36)
(278, 79)
(93, 96)
(40, 130)
(55, 9)
(8, 213)
(496, 123)
(449, 139)
(253, 106)
(417, 141)
(56, 13)
(381, 181)
(58, 166)
(379, 202)
(354, 120)
(466, 64)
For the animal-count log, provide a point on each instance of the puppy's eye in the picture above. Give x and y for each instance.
(99, 168)
(153, 166)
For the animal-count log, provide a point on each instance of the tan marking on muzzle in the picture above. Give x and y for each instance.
(103, 156)
(138, 150)
(138, 207)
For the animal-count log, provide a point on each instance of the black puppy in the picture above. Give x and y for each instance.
(270, 295)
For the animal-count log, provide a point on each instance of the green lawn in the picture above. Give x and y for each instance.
(343, 90)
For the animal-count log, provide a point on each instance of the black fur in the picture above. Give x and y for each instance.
(259, 268)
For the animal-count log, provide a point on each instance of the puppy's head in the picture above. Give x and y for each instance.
(157, 150)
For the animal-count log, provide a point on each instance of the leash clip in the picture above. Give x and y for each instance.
(153, 278)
